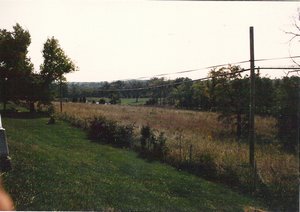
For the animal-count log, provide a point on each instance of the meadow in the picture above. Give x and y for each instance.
(55, 167)
(199, 137)
(124, 101)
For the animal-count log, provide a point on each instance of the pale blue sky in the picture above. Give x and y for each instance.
(111, 40)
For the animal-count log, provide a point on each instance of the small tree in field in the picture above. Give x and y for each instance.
(230, 93)
(56, 64)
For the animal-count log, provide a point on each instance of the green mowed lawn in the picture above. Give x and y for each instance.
(55, 167)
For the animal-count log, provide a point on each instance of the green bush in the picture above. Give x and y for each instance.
(102, 101)
(107, 131)
(206, 165)
(145, 136)
(123, 136)
(153, 146)
(151, 101)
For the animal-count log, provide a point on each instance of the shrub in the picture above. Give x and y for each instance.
(51, 109)
(151, 145)
(123, 135)
(108, 131)
(206, 165)
(102, 129)
(151, 101)
(115, 99)
(102, 101)
(160, 149)
(145, 136)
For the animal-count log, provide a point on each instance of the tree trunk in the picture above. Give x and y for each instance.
(137, 98)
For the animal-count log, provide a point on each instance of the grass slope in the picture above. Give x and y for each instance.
(56, 168)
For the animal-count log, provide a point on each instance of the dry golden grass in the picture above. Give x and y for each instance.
(202, 130)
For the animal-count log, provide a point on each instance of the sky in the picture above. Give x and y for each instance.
(117, 40)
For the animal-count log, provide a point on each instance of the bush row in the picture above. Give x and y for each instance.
(107, 131)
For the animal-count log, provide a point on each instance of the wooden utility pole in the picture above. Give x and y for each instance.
(252, 101)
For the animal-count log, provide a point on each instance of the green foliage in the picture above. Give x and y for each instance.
(15, 66)
(145, 136)
(288, 114)
(115, 99)
(107, 131)
(183, 95)
(151, 101)
(205, 165)
(102, 101)
(13, 52)
(265, 96)
(230, 95)
(153, 146)
(56, 62)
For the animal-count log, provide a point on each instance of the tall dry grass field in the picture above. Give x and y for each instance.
(204, 132)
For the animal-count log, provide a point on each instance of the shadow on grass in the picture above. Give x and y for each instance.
(23, 115)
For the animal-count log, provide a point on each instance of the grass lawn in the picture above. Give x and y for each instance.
(56, 168)
(132, 101)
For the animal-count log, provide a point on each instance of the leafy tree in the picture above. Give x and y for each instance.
(230, 92)
(200, 96)
(15, 65)
(156, 91)
(183, 94)
(135, 84)
(265, 96)
(56, 64)
(288, 113)
(115, 98)
(102, 101)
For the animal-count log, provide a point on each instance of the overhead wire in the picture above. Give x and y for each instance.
(214, 66)
(277, 58)
(197, 69)
(173, 83)
(203, 78)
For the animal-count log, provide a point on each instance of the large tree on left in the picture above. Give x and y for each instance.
(15, 65)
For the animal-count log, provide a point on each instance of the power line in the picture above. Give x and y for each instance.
(196, 80)
(197, 69)
(173, 83)
(205, 78)
(215, 66)
(278, 68)
(277, 58)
